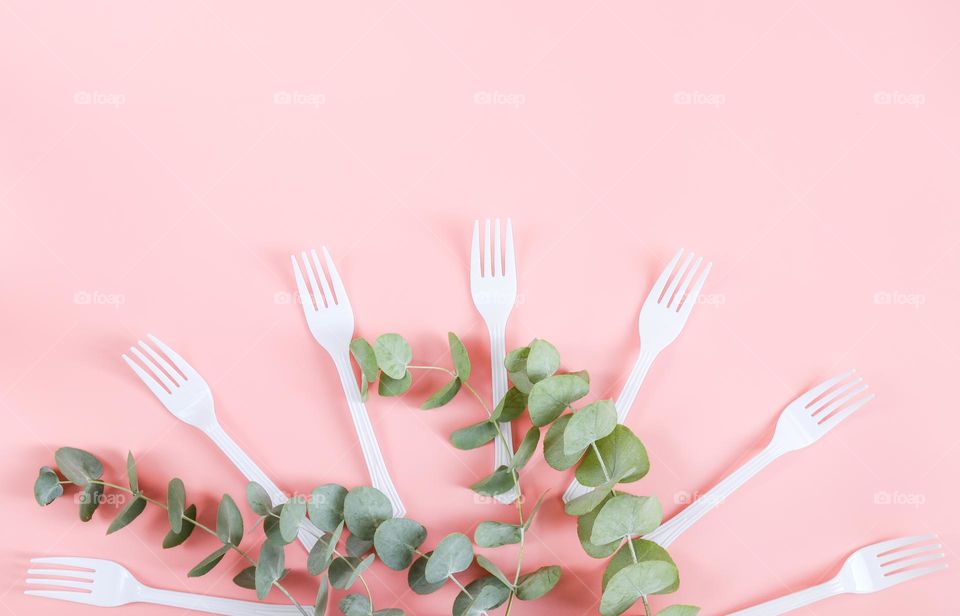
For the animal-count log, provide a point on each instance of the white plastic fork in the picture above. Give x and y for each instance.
(330, 319)
(802, 423)
(104, 583)
(662, 318)
(494, 291)
(187, 396)
(869, 569)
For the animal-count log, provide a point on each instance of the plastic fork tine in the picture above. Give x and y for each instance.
(66, 561)
(317, 296)
(178, 362)
(686, 283)
(831, 422)
(475, 273)
(510, 264)
(904, 576)
(78, 584)
(486, 249)
(71, 573)
(154, 370)
(148, 380)
(691, 299)
(163, 363)
(885, 547)
(890, 558)
(63, 595)
(497, 252)
(836, 399)
(338, 287)
(908, 563)
(327, 295)
(816, 391)
(305, 298)
(661, 282)
(672, 289)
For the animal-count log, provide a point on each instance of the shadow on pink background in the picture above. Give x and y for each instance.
(159, 162)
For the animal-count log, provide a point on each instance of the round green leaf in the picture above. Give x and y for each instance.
(589, 424)
(626, 515)
(175, 538)
(542, 361)
(229, 521)
(292, 515)
(90, 499)
(624, 457)
(645, 551)
(366, 359)
(269, 568)
(78, 466)
(484, 594)
(393, 354)
(491, 567)
(258, 499)
(679, 610)
(128, 514)
(390, 386)
(474, 436)
(47, 487)
(364, 509)
(344, 571)
(461, 359)
(396, 541)
(176, 501)
(326, 506)
(321, 554)
(510, 406)
(132, 473)
(585, 531)
(355, 605)
(551, 396)
(516, 360)
(417, 580)
(553, 450)
(634, 581)
(495, 534)
(499, 482)
(586, 503)
(323, 597)
(540, 582)
(359, 547)
(247, 578)
(207, 564)
(528, 446)
(443, 396)
(452, 555)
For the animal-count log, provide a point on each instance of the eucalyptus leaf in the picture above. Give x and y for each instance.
(390, 386)
(271, 525)
(358, 547)
(679, 610)
(258, 499)
(476, 435)
(553, 450)
(540, 582)
(292, 515)
(90, 499)
(323, 598)
(499, 482)
(269, 568)
(366, 359)
(344, 571)
(445, 395)
(132, 473)
(452, 555)
(326, 506)
(589, 424)
(390, 611)
(626, 515)
(634, 581)
(585, 531)
(128, 514)
(551, 396)
(624, 459)
(396, 541)
(542, 361)
(393, 354)
(495, 534)
(364, 509)
(516, 360)
(229, 521)
(247, 578)
(207, 564)
(521, 382)
(47, 487)
(461, 359)
(645, 551)
(511, 406)
(78, 466)
(417, 580)
(484, 594)
(175, 538)
(528, 446)
(355, 605)
(321, 554)
(176, 501)
(586, 503)
(533, 512)
(491, 567)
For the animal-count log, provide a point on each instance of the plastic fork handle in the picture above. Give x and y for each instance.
(624, 401)
(212, 605)
(673, 528)
(372, 456)
(252, 472)
(793, 601)
(502, 447)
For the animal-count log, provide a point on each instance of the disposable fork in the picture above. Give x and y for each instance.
(104, 583)
(330, 319)
(802, 423)
(662, 317)
(494, 291)
(869, 569)
(187, 396)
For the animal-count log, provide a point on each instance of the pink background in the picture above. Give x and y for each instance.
(809, 148)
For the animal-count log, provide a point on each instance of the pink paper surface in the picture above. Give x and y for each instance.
(159, 162)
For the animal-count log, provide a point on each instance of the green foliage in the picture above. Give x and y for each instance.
(551, 396)
(364, 509)
(229, 521)
(452, 555)
(47, 488)
(326, 506)
(396, 541)
(393, 355)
